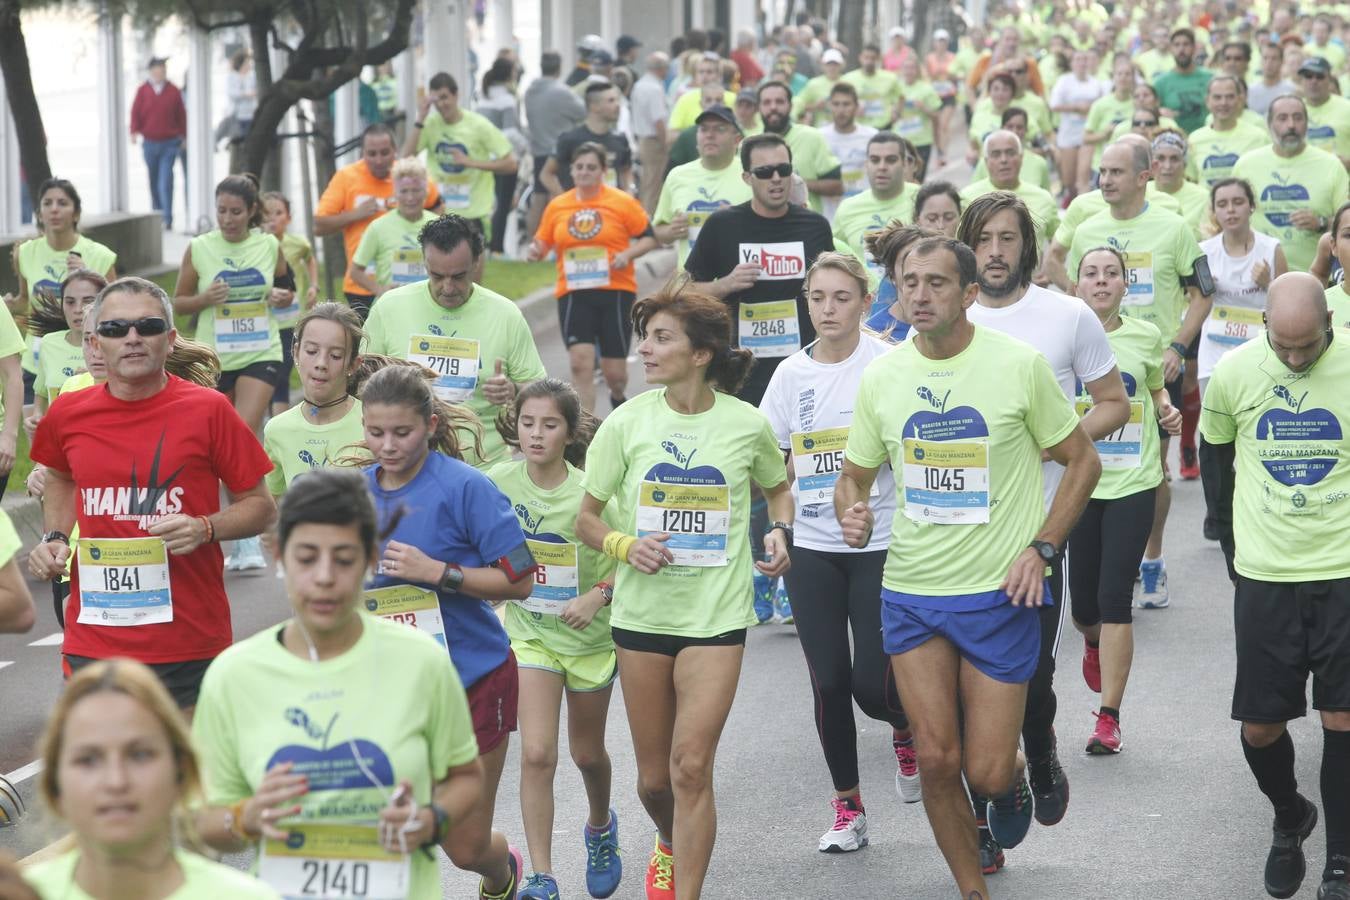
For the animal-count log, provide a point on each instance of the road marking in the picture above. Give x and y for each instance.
(4, 663)
(24, 773)
(50, 640)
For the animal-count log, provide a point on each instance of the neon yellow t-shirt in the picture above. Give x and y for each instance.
(298, 253)
(391, 248)
(44, 269)
(964, 436)
(811, 157)
(1130, 460)
(698, 192)
(1313, 180)
(877, 95)
(1044, 209)
(1035, 170)
(687, 107)
(1105, 114)
(295, 445)
(1338, 302)
(1085, 206)
(862, 214)
(817, 90)
(1194, 202)
(58, 360)
(202, 879)
(466, 192)
(915, 122)
(1329, 126)
(242, 330)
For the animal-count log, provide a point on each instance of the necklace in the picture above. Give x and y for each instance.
(315, 407)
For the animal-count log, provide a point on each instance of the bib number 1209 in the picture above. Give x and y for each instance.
(686, 520)
(335, 878)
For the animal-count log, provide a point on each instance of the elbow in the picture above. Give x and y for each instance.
(22, 618)
(267, 513)
(521, 589)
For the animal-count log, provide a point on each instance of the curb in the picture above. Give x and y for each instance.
(25, 512)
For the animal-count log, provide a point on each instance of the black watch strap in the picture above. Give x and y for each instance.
(55, 535)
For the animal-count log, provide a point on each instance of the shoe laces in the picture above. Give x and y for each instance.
(1016, 800)
(599, 848)
(1045, 772)
(844, 815)
(907, 757)
(663, 870)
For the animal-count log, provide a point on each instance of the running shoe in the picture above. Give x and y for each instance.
(907, 783)
(991, 854)
(516, 863)
(661, 873)
(1334, 889)
(782, 606)
(1105, 738)
(604, 867)
(1092, 667)
(1190, 464)
(849, 831)
(1211, 529)
(1153, 585)
(1285, 866)
(232, 560)
(1049, 785)
(763, 587)
(250, 554)
(1009, 814)
(539, 887)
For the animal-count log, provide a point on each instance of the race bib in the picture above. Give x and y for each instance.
(855, 181)
(1122, 448)
(908, 126)
(770, 330)
(555, 581)
(407, 266)
(287, 316)
(1138, 279)
(586, 268)
(696, 516)
(334, 862)
(947, 482)
(873, 108)
(944, 88)
(817, 460)
(408, 605)
(696, 219)
(454, 360)
(455, 193)
(124, 581)
(242, 328)
(1233, 325)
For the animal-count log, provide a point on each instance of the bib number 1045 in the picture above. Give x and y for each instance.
(944, 479)
(335, 878)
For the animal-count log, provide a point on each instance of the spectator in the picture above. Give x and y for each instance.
(550, 110)
(159, 119)
(744, 58)
(650, 110)
(589, 46)
(385, 86)
(241, 86)
(626, 53)
(500, 106)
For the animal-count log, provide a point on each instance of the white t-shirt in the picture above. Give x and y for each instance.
(851, 151)
(804, 399)
(1235, 317)
(1068, 89)
(1067, 333)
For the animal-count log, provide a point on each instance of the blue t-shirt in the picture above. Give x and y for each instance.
(453, 513)
(881, 320)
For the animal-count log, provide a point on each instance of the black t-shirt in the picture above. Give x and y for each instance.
(620, 155)
(785, 248)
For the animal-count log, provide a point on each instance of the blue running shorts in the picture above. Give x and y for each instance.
(1001, 640)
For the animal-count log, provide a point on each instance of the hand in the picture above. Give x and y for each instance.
(499, 390)
(264, 808)
(775, 545)
(280, 297)
(406, 562)
(371, 206)
(30, 425)
(399, 832)
(1025, 584)
(679, 225)
(48, 560)
(1306, 219)
(37, 481)
(742, 278)
(423, 107)
(650, 554)
(856, 524)
(1171, 364)
(269, 543)
(181, 534)
(74, 261)
(217, 292)
(579, 612)
(1169, 417)
(459, 157)
(619, 262)
(1261, 274)
(8, 447)
(311, 296)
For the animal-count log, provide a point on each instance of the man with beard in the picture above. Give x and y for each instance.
(810, 155)
(1000, 228)
(1181, 92)
(694, 191)
(1298, 187)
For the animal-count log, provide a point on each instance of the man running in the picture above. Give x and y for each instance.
(139, 464)
(887, 198)
(1003, 158)
(962, 413)
(603, 105)
(1277, 409)
(847, 140)
(694, 191)
(811, 156)
(1216, 148)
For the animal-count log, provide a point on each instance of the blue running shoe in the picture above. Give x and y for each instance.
(1009, 814)
(539, 887)
(782, 606)
(1153, 585)
(763, 587)
(604, 867)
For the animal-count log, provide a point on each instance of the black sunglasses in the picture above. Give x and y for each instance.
(764, 173)
(147, 327)
(1144, 123)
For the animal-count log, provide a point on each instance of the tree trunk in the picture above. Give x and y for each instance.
(22, 99)
(919, 35)
(334, 253)
(851, 15)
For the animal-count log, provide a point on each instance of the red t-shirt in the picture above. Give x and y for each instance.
(133, 462)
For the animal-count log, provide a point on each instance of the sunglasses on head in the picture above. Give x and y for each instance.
(147, 327)
(764, 173)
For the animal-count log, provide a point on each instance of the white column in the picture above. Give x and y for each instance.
(504, 26)
(610, 25)
(743, 16)
(447, 41)
(889, 13)
(10, 191)
(346, 119)
(112, 114)
(200, 134)
(696, 11)
(405, 70)
(563, 36)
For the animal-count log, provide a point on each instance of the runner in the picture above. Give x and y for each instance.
(17, 613)
(1216, 148)
(560, 635)
(811, 104)
(596, 233)
(1109, 110)
(334, 778)
(304, 268)
(1035, 170)
(810, 155)
(389, 255)
(604, 104)
(1003, 155)
(879, 91)
(847, 140)
(1328, 111)
(989, 116)
(1181, 91)
(943, 70)
(695, 190)
(176, 444)
(61, 352)
(683, 596)
(457, 328)
(1073, 96)
(887, 198)
(1001, 231)
(1170, 165)
(448, 535)
(114, 739)
(1109, 537)
(889, 248)
(961, 585)
(937, 207)
(917, 113)
(1289, 597)
(809, 404)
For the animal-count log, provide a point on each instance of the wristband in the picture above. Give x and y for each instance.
(452, 578)
(234, 821)
(441, 824)
(210, 530)
(606, 591)
(1178, 348)
(617, 544)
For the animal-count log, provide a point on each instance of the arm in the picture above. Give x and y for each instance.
(548, 177)
(626, 181)
(1222, 476)
(1197, 310)
(488, 583)
(504, 165)
(312, 268)
(1321, 264)
(827, 186)
(782, 508)
(186, 299)
(741, 278)
(1110, 405)
(358, 274)
(1281, 264)
(11, 374)
(1055, 266)
(48, 560)
(17, 613)
(850, 502)
(646, 554)
(641, 246)
(249, 513)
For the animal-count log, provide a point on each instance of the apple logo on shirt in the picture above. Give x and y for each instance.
(1290, 196)
(680, 471)
(1220, 161)
(1303, 446)
(942, 424)
(446, 160)
(335, 767)
(244, 282)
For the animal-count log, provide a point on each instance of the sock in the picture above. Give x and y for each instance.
(901, 737)
(1159, 561)
(854, 802)
(978, 803)
(1336, 800)
(591, 829)
(664, 847)
(1108, 711)
(1273, 767)
(1190, 417)
(1093, 644)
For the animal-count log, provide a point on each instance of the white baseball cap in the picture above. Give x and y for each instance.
(942, 34)
(832, 56)
(897, 31)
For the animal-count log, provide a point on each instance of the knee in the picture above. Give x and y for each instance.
(691, 770)
(590, 759)
(653, 786)
(466, 845)
(539, 757)
(1262, 734)
(939, 760)
(990, 777)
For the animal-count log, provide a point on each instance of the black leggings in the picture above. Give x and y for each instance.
(1105, 547)
(1039, 722)
(833, 593)
(504, 186)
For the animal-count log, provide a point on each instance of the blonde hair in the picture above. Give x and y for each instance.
(194, 361)
(838, 262)
(409, 167)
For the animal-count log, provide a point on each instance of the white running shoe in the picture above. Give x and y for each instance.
(250, 554)
(907, 783)
(849, 831)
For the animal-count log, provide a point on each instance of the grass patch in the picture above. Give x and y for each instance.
(22, 466)
(517, 280)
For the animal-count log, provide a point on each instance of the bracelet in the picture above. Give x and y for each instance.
(210, 530)
(617, 544)
(234, 821)
(1178, 348)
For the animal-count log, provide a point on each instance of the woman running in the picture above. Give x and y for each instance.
(596, 231)
(560, 635)
(1109, 539)
(305, 270)
(61, 349)
(837, 590)
(339, 744)
(1072, 98)
(937, 207)
(120, 770)
(678, 463)
(389, 254)
(453, 545)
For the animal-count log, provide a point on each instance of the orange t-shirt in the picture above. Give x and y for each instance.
(350, 187)
(586, 234)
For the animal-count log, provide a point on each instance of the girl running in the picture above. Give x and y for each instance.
(889, 247)
(305, 270)
(61, 329)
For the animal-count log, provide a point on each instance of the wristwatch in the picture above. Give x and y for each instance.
(1046, 550)
(606, 591)
(452, 579)
(787, 529)
(55, 535)
(442, 821)
(1178, 348)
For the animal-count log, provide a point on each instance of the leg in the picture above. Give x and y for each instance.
(874, 687)
(1084, 174)
(251, 397)
(1162, 504)
(150, 152)
(705, 685)
(1067, 160)
(540, 699)
(505, 189)
(1038, 729)
(581, 358)
(587, 715)
(1125, 529)
(616, 376)
(1336, 792)
(613, 333)
(649, 699)
(471, 843)
(166, 180)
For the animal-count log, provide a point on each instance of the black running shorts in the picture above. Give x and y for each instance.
(601, 317)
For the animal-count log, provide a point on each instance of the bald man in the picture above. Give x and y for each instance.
(1278, 416)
